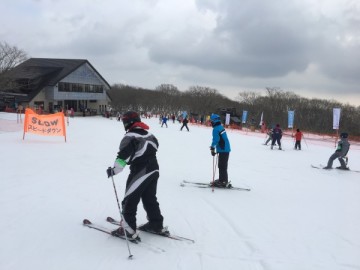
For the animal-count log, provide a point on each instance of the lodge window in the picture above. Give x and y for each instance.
(78, 87)
(64, 87)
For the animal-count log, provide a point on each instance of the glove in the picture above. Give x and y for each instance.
(110, 172)
(212, 149)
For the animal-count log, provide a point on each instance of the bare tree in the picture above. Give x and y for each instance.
(10, 56)
(168, 98)
(203, 100)
(248, 97)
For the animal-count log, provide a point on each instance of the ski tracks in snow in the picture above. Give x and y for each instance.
(245, 252)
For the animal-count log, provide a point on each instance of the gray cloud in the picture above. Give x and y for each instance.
(308, 46)
(250, 39)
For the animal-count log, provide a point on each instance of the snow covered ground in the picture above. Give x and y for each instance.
(294, 218)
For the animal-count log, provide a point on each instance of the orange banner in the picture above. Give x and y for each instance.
(45, 125)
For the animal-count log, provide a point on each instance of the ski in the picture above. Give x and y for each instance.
(91, 225)
(165, 234)
(322, 167)
(208, 185)
(348, 170)
(317, 167)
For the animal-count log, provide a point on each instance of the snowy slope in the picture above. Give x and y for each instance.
(294, 218)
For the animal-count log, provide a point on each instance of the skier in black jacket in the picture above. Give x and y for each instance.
(185, 122)
(138, 149)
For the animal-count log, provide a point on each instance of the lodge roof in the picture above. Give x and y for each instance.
(43, 72)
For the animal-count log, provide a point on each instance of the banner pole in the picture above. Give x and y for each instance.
(337, 136)
(25, 122)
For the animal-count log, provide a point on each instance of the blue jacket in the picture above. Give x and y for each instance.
(220, 140)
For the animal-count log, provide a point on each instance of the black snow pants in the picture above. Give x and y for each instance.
(142, 184)
(223, 166)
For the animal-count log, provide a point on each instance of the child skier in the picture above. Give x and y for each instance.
(270, 134)
(298, 137)
(340, 153)
(221, 143)
(138, 149)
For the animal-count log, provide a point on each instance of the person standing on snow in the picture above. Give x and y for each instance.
(298, 137)
(221, 144)
(164, 121)
(185, 122)
(340, 153)
(138, 149)
(277, 135)
(270, 134)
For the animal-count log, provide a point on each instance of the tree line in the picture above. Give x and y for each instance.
(311, 115)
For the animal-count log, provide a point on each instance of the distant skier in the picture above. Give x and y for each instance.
(118, 116)
(277, 135)
(185, 122)
(221, 143)
(164, 121)
(298, 137)
(138, 149)
(270, 134)
(340, 153)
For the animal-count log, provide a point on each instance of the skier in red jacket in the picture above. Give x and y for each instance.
(298, 137)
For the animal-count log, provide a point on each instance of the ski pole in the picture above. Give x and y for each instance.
(213, 174)
(265, 138)
(213, 179)
(214, 170)
(122, 218)
(305, 142)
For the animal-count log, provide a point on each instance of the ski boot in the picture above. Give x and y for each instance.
(154, 228)
(120, 232)
(218, 183)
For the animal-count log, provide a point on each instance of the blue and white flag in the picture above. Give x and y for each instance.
(336, 118)
(244, 116)
(291, 115)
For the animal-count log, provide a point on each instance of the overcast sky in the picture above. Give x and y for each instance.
(309, 47)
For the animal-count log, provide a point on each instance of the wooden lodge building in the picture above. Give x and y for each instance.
(51, 85)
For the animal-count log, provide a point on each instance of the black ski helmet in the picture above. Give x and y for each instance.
(344, 135)
(129, 118)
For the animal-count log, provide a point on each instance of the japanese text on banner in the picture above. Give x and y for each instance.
(46, 125)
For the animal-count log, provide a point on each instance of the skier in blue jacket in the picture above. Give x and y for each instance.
(221, 144)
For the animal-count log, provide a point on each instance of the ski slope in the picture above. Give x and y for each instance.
(294, 218)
